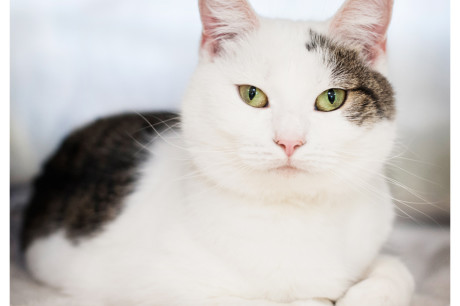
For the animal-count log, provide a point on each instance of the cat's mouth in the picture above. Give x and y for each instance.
(288, 169)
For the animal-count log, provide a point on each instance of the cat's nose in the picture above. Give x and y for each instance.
(289, 145)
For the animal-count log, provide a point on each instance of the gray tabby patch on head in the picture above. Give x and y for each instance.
(370, 96)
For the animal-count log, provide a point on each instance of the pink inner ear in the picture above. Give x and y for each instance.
(209, 23)
(383, 45)
(380, 28)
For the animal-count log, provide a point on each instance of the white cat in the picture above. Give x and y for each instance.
(268, 191)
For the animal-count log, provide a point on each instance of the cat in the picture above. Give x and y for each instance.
(267, 189)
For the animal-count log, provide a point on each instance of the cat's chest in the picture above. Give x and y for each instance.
(292, 251)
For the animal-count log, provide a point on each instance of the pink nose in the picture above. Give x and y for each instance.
(289, 146)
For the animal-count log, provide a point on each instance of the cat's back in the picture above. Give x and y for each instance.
(82, 186)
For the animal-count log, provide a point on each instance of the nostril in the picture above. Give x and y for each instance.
(289, 146)
(280, 144)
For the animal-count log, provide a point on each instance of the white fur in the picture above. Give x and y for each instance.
(214, 222)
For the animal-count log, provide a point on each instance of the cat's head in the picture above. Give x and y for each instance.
(280, 108)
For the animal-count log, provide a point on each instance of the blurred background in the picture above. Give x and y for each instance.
(75, 60)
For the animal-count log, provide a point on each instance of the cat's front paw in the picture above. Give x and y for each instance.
(374, 292)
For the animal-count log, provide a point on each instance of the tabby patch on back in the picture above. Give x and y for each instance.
(94, 169)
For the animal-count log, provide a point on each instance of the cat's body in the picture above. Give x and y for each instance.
(237, 204)
(214, 243)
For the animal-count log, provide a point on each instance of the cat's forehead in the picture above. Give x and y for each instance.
(277, 52)
(283, 43)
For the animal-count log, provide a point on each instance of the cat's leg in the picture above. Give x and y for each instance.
(388, 283)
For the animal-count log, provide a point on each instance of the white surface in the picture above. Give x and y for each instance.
(425, 250)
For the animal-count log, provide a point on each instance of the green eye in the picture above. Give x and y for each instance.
(253, 96)
(330, 99)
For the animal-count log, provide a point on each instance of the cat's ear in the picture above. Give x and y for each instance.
(223, 20)
(364, 24)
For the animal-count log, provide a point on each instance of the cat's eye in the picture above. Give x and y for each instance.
(330, 99)
(253, 96)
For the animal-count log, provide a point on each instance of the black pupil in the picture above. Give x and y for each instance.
(331, 95)
(252, 92)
